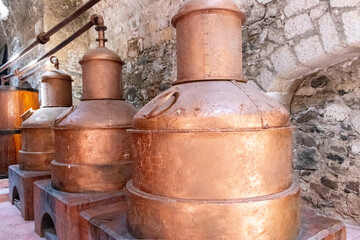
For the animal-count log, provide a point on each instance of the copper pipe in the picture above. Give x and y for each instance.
(43, 37)
(23, 78)
(95, 20)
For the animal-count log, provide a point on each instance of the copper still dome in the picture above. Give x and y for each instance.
(93, 150)
(38, 141)
(212, 155)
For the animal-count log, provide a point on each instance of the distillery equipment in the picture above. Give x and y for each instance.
(93, 151)
(212, 155)
(38, 142)
(14, 101)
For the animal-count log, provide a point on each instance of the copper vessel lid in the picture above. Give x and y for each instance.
(41, 118)
(201, 5)
(211, 106)
(55, 73)
(101, 53)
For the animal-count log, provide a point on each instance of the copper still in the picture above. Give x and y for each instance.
(212, 155)
(93, 150)
(14, 101)
(38, 142)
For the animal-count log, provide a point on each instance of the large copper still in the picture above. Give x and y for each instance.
(93, 150)
(212, 155)
(38, 142)
(14, 101)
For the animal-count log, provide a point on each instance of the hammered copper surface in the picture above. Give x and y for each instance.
(14, 101)
(108, 84)
(56, 90)
(266, 217)
(211, 165)
(93, 150)
(212, 155)
(38, 139)
(210, 106)
(208, 36)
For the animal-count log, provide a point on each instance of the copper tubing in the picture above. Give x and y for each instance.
(94, 21)
(43, 38)
(23, 78)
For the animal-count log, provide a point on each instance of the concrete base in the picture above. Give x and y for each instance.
(57, 214)
(21, 189)
(109, 223)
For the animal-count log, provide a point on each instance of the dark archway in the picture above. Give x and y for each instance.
(48, 228)
(16, 198)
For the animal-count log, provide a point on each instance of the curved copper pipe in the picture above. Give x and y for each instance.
(43, 37)
(95, 20)
(23, 78)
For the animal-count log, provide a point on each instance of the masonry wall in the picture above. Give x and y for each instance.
(26, 17)
(326, 112)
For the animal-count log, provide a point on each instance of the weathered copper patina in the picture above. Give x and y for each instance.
(93, 150)
(212, 155)
(38, 142)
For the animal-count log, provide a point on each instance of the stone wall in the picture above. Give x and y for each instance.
(35, 16)
(25, 17)
(326, 112)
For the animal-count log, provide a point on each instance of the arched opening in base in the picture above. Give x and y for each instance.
(48, 228)
(16, 198)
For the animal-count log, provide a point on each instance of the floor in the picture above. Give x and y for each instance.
(13, 227)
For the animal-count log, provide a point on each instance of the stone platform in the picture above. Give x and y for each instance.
(21, 189)
(58, 213)
(109, 223)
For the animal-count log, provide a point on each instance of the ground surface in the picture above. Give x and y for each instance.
(13, 227)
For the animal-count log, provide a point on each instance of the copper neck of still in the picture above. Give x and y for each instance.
(102, 70)
(209, 41)
(56, 89)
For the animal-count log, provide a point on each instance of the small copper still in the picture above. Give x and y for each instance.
(93, 150)
(38, 142)
(212, 155)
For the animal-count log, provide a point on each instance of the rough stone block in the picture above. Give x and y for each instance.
(264, 1)
(328, 33)
(265, 78)
(283, 59)
(309, 49)
(318, 11)
(296, 6)
(351, 22)
(298, 25)
(344, 3)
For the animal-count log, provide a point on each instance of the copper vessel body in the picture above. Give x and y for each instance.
(212, 155)
(14, 102)
(38, 139)
(260, 218)
(93, 150)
